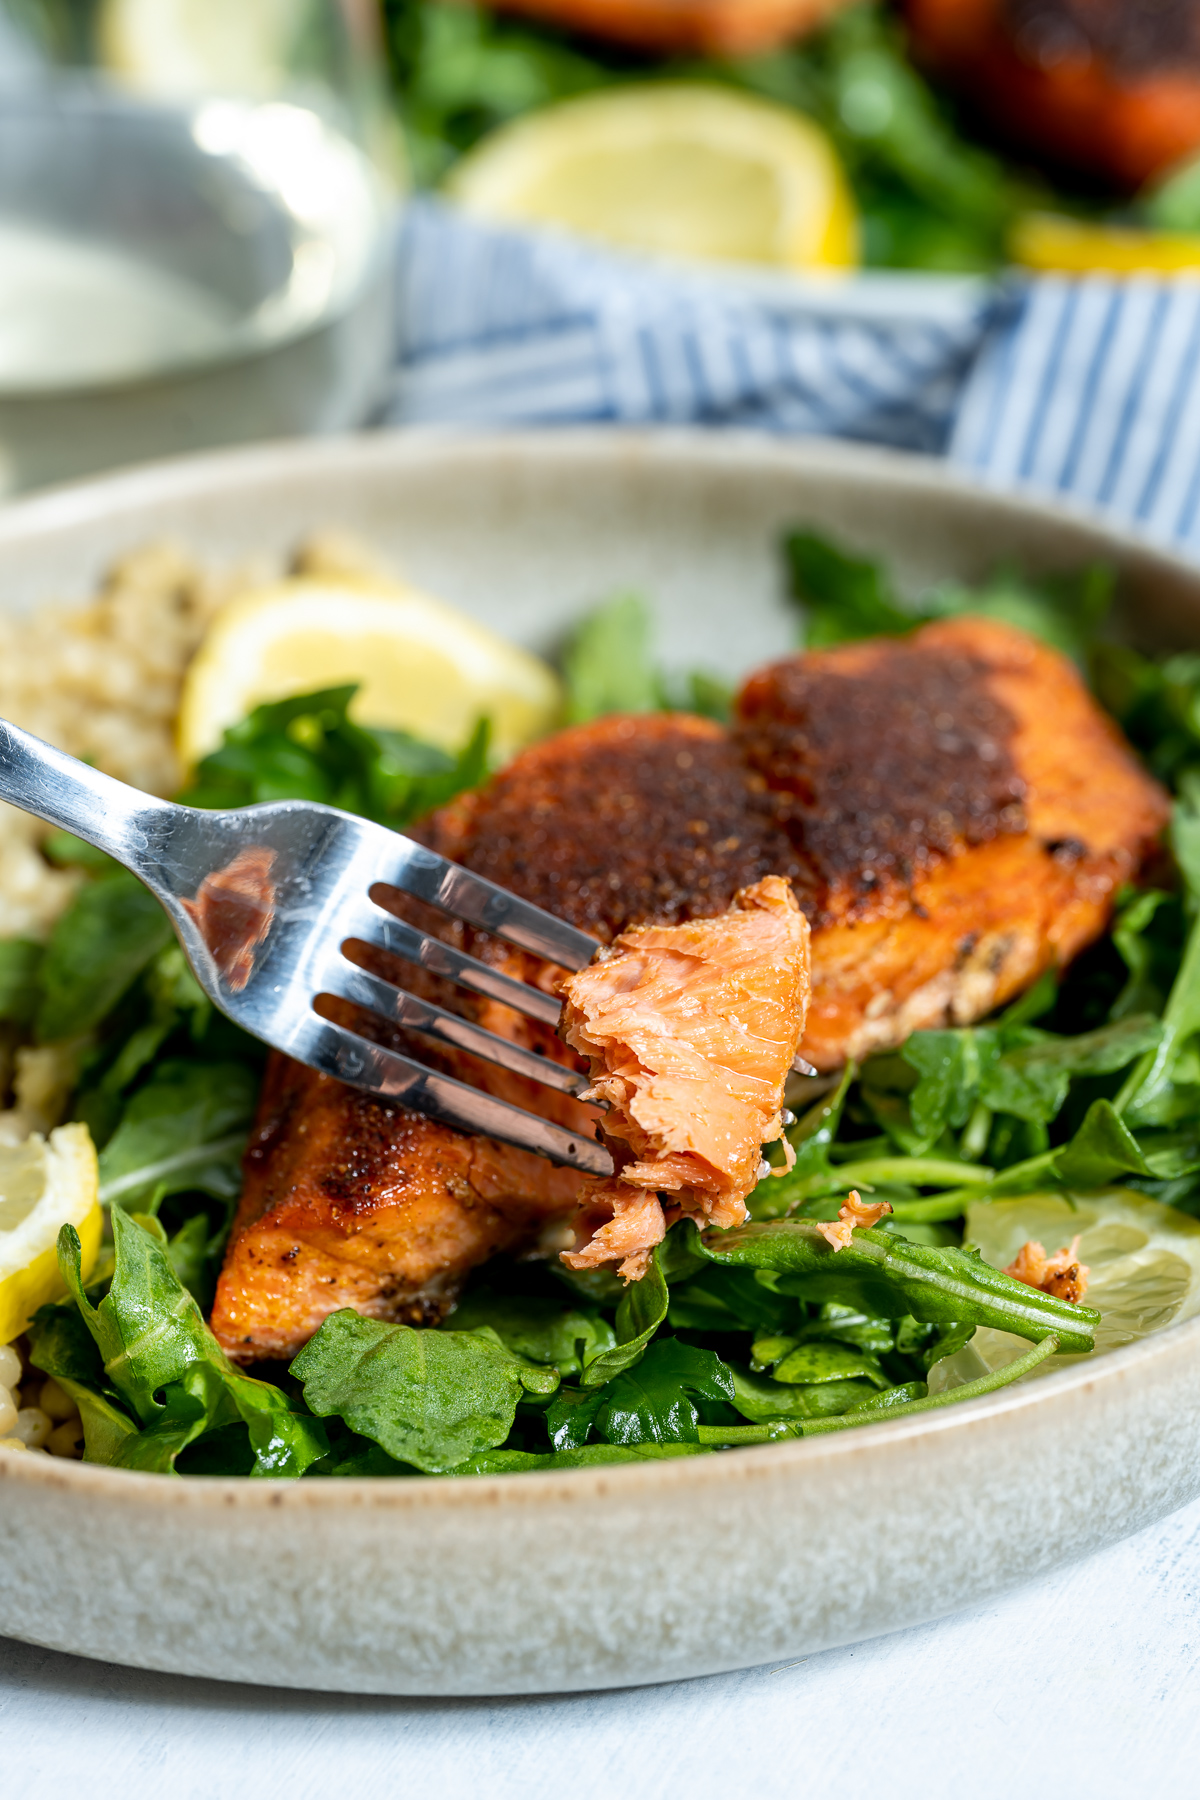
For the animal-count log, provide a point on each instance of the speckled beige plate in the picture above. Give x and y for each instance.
(534, 1583)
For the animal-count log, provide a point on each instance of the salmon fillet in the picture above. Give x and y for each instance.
(963, 812)
(690, 1032)
(952, 811)
(707, 27)
(350, 1201)
(1111, 87)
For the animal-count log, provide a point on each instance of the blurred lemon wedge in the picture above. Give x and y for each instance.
(197, 46)
(1052, 242)
(422, 666)
(675, 170)
(43, 1186)
(1143, 1261)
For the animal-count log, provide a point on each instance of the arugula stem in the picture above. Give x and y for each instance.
(1179, 1021)
(729, 1436)
(1006, 1185)
(971, 1390)
(917, 1171)
(973, 1141)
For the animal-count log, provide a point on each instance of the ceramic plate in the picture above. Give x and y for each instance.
(598, 1577)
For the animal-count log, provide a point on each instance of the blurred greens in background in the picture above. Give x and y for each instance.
(928, 199)
(928, 196)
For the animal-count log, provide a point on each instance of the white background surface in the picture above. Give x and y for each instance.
(1087, 1685)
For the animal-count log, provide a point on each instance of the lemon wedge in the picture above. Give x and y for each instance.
(1052, 242)
(43, 1186)
(1143, 1261)
(194, 46)
(676, 170)
(422, 666)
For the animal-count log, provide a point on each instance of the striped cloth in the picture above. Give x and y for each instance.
(507, 328)
(1088, 389)
(1092, 391)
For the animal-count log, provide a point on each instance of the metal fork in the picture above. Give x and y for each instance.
(265, 899)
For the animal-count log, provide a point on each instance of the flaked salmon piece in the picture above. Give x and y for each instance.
(1062, 1274)
(855, 1215)
(690, 1032)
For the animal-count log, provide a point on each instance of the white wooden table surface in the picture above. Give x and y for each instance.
(1086, 1685)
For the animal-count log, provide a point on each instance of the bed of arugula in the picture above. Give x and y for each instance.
(732, 1338)
(930, 195)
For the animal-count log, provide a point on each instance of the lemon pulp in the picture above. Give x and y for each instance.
(43, 1186)
(676, 170)
(421, 666)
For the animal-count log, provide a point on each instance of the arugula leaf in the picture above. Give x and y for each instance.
(110, 932)
(1147, 1098)
(61, 1346)
(159, 1356)
(608, 665)
(726, 1300)
(847, 597)
(308, 748)
(758, 1398)
(538, 1329)
(20, 979)
(951, 1067)
(1031, 1081)
(844, 596)
(1010, 1069)
(570, 1414)
(184, 1130)
(649, 1403)
(807, 1365)
(1102, 1149)
(845, 1325)
(1065, 611)
(642, 1310)
(884, 1275)
(430, 1398)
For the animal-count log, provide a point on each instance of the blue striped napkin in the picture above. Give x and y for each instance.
(1089, 389)
(1092, 391)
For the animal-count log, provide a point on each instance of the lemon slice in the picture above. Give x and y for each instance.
(198, 46)
(684, 171)
(1143, 1261)
(1053, 242)
(422, 666)
(43, 1186)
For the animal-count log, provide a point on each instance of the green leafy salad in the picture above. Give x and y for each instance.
(733, 1337)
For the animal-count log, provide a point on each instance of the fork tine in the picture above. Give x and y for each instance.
(457, 891)
(384, 930)
(364, 989)
(353, 1059)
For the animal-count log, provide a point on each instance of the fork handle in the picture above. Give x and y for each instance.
(67, 793)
